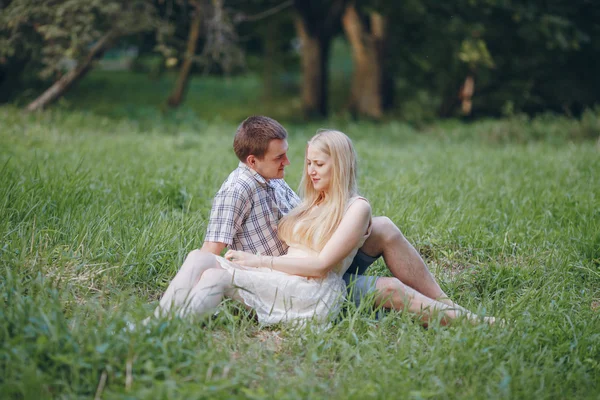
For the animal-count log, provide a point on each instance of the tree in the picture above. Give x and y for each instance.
(220, 47)
(475, 54)
(367, 36)
(177, 95)
(81, 30)
(317, 23)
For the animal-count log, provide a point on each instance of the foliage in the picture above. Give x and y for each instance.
(530, 54)
(55, 31)
(475, 53)
(98, 213)
(40, 40)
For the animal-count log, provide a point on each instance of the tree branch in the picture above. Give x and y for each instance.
(262, 15)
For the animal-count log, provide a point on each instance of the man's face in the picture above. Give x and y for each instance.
(275, 160)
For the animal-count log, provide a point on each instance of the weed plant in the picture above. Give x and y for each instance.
(97, 214)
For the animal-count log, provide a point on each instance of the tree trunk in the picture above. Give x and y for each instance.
(61, 86)
(367, 50)
(315, 55)
(379, 28)
(466, 94)
(178, 94)
(317, 23)
(462, 97)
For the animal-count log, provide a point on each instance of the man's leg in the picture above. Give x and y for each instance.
(402, 259)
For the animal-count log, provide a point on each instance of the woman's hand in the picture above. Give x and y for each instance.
(243, 258)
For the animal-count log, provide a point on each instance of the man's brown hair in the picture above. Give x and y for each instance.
(254, 135)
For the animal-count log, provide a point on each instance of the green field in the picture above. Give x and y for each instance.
(98, 211)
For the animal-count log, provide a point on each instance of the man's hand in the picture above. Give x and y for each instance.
(243, 258)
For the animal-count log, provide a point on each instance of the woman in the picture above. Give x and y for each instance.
(323, 233)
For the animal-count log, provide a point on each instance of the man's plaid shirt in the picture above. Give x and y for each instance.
(246, 210)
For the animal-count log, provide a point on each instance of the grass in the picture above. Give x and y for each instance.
(97, 212)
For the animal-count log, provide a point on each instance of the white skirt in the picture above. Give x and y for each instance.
(279, 297)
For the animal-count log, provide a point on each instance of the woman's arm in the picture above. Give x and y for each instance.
(346, 237)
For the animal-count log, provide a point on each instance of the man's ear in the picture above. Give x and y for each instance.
(251, 161)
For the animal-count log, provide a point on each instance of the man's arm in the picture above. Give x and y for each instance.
(213, 247)
(231, 207)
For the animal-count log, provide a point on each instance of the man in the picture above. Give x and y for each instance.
(254, 197)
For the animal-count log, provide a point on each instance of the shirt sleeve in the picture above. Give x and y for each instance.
(231, 207)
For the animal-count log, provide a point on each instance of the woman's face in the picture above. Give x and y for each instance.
(319, 167)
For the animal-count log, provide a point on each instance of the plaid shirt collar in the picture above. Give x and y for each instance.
(257, 177)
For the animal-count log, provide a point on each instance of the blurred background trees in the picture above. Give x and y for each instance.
(424, 58)
(60, 40)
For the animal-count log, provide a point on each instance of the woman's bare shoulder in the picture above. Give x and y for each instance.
(359, 205)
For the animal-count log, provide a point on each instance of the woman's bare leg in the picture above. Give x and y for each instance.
(403, 260)
(391, 293)
(178, 292)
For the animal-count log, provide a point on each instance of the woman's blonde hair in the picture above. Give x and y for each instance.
(312, 227)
